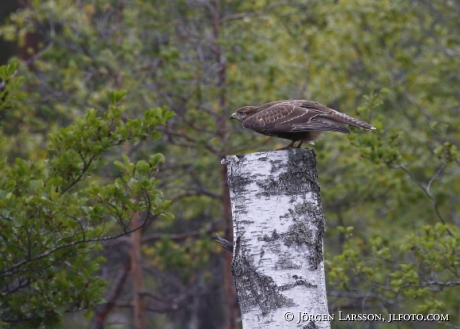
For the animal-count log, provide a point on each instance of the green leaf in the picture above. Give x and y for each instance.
(116, 96)
(156, 158)
(142, 167)
(11, 68)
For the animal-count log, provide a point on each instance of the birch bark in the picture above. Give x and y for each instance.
(278, 229)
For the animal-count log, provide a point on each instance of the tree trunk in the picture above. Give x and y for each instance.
(278, 265)
(136, 272)
(103, 310)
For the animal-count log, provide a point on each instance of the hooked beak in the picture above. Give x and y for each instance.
(233, 116)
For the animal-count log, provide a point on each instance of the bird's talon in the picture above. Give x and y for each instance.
(291, 144)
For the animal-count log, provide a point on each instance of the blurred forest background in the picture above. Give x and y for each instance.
(82, 161)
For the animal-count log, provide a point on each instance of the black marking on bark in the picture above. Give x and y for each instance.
(237, 183)
(303, 210)
(275, 236)
(317, 257)
(261, 255)
(298, 283)
(299, 175)
(276, 165)
(285, 262)
(299, 232)
(265, 158)
(310, 325)
(255, 289)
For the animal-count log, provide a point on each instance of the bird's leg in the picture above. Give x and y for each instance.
(289, 146)
(300, 144)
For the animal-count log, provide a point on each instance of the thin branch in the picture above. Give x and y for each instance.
(179, 237)
(427, 191)
(78, 179)
(103, 310)
(19, 284)
(4, 272)
(4, 237)
(265, 11)
(448, 325)
(150, 308)
(155, 297)
(224, 243)
(196, 193)
(350, 295)
(441, 284)
(190, 139)
(435, 176)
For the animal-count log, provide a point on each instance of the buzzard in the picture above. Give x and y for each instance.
(297, 120)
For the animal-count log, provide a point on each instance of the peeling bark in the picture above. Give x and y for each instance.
(278, 222)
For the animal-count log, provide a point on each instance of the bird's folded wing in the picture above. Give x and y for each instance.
(319, 124)
(290, 118)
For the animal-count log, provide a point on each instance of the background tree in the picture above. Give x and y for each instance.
(55, 212)
(391, 63)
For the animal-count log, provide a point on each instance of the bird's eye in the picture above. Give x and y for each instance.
(242, 114)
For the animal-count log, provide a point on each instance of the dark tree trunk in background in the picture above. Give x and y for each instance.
(27, 51)
(232, 313)
(136, 272)
(7, 49)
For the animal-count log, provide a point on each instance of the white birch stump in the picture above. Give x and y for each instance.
(278, 229)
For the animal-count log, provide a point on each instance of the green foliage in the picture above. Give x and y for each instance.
(11, 86)
(55, 213)
(422, 279)
(406, 187)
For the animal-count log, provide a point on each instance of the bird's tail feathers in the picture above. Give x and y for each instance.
(343, 118)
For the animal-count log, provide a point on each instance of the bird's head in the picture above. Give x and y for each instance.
(243, 113)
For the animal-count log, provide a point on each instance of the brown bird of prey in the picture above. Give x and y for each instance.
(298, 120)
